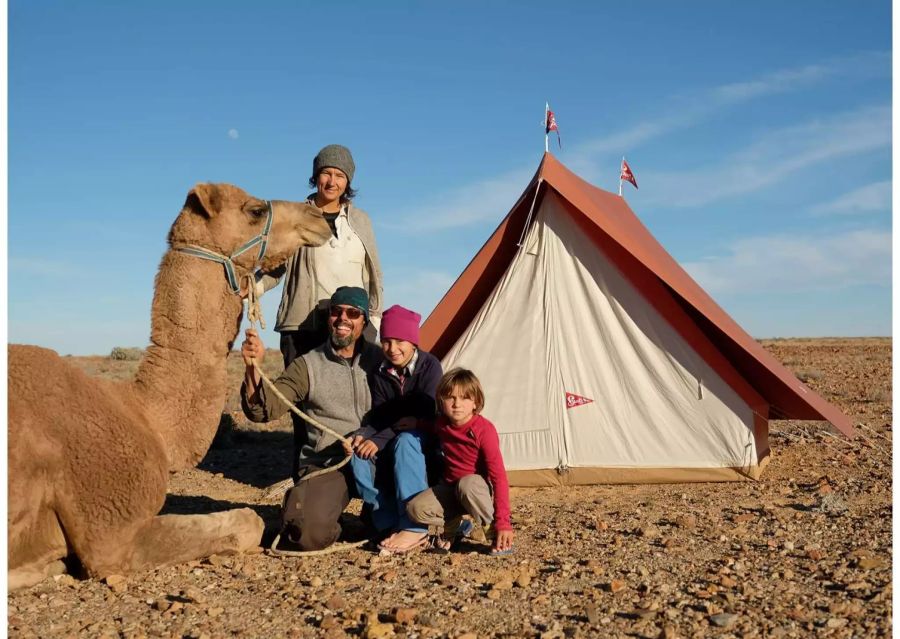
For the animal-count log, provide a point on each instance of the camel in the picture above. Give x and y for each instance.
(89, 458)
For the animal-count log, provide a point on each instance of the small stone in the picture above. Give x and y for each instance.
(601, 525)
(328, 621)
(788, 545)
(504, 584)
(869, 563)
(162, 604)
(592, 614)
(644, 613)
(335, 602)
(468, 635)
(316, 582)
(176, 606)
(215, 612)
(687, 522)
(405, 616)
(493, 594)
(787, 574)
(723, 619)
(648, 532)
(727, 581)
(390, 575)
(815, 554)
(837, 622)
(378, 631)
(193, 595)
(116, 583)
(743, 518)
(218, 560)
(617, 585)
(668, 632)
(65, 580)
(857, 585)
(523, 580)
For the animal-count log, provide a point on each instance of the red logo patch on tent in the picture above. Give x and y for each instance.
(573, 400)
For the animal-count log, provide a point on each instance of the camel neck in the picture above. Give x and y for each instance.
(181, 382)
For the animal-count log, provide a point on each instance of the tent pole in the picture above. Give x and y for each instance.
(530, 212)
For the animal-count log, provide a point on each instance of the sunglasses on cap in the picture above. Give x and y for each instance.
(351, 312)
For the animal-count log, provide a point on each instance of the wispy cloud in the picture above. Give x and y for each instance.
(774, 157)
(871, 198)
(691, 109)
(489, 199)
(233, 134)
(784, 263)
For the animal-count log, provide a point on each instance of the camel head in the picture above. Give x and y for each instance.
(222, 218)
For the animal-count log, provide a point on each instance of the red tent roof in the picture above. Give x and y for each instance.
(788, 396)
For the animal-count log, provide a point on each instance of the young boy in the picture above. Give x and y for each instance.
(403, 392)
(473, 465)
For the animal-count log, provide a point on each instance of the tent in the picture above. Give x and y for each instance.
(602, 360)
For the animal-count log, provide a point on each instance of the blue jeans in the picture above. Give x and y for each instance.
(388, 504)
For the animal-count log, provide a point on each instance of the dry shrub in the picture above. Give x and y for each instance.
(811, 374)
(126, 354)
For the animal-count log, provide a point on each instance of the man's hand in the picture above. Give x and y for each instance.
(504, 540)
(364, 448)
(252, 348)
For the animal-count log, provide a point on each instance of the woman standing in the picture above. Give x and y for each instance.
(349, 258)
(313, 274)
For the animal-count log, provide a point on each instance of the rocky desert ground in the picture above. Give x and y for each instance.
(805, 551)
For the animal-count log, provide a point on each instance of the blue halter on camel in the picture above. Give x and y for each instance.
(262, 239)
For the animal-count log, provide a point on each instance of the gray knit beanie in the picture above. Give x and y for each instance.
(337, 156)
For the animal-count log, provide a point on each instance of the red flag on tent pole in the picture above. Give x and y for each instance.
(626, 175)
(550, 125)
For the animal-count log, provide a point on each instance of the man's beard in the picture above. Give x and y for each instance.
(342, 342)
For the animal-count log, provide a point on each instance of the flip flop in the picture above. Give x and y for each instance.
(416, 545)
(502, 553)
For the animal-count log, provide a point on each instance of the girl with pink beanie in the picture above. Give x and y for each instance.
(389, 465)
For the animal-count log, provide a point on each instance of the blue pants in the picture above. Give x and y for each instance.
(388, 500)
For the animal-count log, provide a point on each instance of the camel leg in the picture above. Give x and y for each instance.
(30, 574)
(171, 539)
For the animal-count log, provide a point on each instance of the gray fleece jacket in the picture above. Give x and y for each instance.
(298, 296)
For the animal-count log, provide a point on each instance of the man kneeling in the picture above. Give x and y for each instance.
(328, 383)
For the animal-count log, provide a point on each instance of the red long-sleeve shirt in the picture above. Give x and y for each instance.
(474, 448)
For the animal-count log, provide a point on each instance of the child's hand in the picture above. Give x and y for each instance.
(504, 540)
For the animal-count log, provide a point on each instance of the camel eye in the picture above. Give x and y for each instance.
(258, 211)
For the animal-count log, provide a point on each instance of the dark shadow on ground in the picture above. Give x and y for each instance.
(255, 458)
(200, 505)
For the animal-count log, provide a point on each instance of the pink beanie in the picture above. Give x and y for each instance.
(400, 323)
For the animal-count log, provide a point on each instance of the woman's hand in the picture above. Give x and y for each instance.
(252, 348)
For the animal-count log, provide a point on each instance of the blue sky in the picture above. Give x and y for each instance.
(759, 133)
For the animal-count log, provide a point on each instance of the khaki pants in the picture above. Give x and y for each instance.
(470, 495)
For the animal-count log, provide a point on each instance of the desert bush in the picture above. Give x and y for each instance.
(126, 354)
(807, 375)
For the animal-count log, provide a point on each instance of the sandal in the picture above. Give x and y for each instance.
(418, 544)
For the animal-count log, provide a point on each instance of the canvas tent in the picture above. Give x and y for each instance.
(602, 360)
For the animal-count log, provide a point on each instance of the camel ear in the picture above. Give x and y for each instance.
(204, 199)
